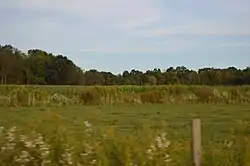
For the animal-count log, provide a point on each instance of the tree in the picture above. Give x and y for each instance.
(40, 67)
(151, 80)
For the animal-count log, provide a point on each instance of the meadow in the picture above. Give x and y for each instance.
(123, 125)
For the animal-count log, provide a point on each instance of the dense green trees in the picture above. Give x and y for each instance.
(40, 67)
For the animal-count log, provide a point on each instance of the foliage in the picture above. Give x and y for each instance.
(152, 97)
(91, 96)
(40, 67)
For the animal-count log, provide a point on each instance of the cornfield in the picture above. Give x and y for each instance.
(12, 95)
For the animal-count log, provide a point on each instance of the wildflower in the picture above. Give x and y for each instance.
(159, 142)
(167, 158)
(158, 150)
(93, 161)
(149, 151)
(10, 138)
(13, 129)
(66, 157)
(3, 148)
(153, 147)
(23, 158)
(27, 143)
(87, 124)
(228, 144)
(1, 129)
(79, 164)
(11, 134)
(44, 149)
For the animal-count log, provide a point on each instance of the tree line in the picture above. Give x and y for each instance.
(42, 68)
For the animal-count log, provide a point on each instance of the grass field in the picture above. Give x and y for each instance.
(130, 130)
(217, 119)
(122, 125)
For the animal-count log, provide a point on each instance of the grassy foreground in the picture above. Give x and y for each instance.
(157, 134)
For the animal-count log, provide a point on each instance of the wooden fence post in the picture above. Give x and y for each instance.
(29, 99)
(196, 142)
(33, 99)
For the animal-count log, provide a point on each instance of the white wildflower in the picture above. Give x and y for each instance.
(153, 147)
(159, 142)
(93, 161)
(66, 157)
(26, 142)
(11, 134)
(158, 150)
(1, 129)
(87, 124)
(3, 148)
(23, 158)
(149, 151)
(10, 140)
(88, 127)
(167, 158)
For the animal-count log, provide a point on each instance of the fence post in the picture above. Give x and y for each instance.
(33, 99)
(196, 142)
(29, 99)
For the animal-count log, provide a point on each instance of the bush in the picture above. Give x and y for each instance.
(152, 97)
(90, 97)
(21, 96)
(204, 95)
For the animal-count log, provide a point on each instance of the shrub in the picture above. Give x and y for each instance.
(90, 97)
(152, 97)
(21, 96)
(204, 95)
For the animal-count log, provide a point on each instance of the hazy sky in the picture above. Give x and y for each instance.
(115, 35)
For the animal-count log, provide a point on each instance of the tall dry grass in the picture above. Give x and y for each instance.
(79, 95)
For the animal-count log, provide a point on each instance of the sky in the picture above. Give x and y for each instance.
(118, 35)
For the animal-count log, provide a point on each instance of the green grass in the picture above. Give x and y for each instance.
(216, 119)
(135, 126)
(126, 122)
